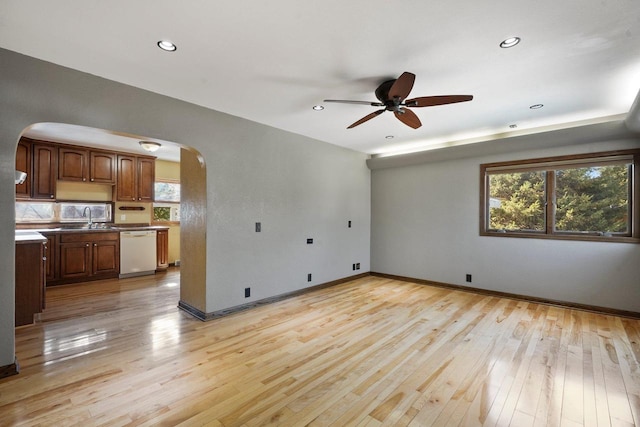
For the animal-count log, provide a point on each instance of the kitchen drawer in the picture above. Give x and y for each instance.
(88, 237)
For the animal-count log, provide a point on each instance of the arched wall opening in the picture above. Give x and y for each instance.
(193, 199)
(296, 187)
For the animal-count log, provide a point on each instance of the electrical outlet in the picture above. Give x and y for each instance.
(357, 266)
(309, 277)
(309, 241)
(258, 227)
(354, 267)
(469, 278)
(123, 217)
(349, 224)
(247, 292)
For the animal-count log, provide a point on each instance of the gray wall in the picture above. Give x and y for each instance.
(425, 225)
(295, 186)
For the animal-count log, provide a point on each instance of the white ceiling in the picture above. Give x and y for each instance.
(272, 61)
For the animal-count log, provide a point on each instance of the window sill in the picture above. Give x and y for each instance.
(161, 223)
(589, 238)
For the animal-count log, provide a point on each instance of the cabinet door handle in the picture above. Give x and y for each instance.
(87, 245)
(95, 244)
(84, 179)
(51, 196)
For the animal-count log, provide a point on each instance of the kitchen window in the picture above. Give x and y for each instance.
(582, 197)
(62, 212)
(166, 208)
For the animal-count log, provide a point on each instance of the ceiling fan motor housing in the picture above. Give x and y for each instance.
(382, 92)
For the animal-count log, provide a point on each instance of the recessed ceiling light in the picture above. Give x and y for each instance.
(389, 137)
(167, 45)
(513, 126)
(536, 106)
(318, 107)
(510, 42)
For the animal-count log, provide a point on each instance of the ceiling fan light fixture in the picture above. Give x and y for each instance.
(318, 107)
(150, 146)
(510, 42)
(167, 45)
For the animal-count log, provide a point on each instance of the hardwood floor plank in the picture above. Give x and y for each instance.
(629, 367)
(370, 352)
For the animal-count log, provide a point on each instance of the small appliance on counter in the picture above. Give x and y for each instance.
(20, 177)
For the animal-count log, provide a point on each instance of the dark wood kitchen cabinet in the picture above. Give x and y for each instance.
(136, 176)
(23, 164)
(51, 255)
(46, 163)
(75, 164)
(146, 178)
(162, 249)
(44, 171)
(29, 280)
(89, 255)
(126, 182)
(40, 162)
(102, 167)
(75, 260)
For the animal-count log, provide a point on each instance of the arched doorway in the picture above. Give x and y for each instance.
(169, 158)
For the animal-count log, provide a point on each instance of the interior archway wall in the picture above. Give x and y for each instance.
(34, 91)
(296, 186)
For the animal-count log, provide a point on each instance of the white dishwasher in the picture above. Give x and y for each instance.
(137, 253)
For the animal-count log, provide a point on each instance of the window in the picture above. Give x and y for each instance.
(75, 212)
(581, 197)
(63, 212)
(34, 212)
(167, 191)
(167, 201)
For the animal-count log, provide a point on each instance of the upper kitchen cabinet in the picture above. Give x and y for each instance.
(146, 178)
(76, 164)
(46, 163)
(136, 176)
(23, 164)
(73, 164)
(102, 167)
(44, 171)
(40, 161)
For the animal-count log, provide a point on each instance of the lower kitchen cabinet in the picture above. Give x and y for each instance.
(162, 249)
(30, 281)
(51, 255)
(88, 256)
(78, 256)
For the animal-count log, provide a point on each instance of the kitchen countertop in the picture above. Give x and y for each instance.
(85, 229)
(29, 236)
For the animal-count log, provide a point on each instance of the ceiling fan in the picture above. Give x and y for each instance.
(392, 94)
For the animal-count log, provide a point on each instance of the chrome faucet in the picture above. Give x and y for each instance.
(84, 215)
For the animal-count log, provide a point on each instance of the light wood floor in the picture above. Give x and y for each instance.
(366, 353)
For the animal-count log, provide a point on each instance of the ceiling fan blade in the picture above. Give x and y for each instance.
(402, 86)
(409, 118)
(430, 101)
(367, 118)
(344, 101)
